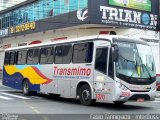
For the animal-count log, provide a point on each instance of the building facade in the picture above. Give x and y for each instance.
(37, 21)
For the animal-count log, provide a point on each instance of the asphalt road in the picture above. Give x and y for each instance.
(13, 102)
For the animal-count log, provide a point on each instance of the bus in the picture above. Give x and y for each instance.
(98, 68)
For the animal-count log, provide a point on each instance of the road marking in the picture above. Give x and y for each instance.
(33, 108)
(4, 90)
(156, 100)
(45, 118)
(35, 97)
(15, 96)
(6, 98)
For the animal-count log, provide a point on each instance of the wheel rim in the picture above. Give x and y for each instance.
(25, 88)
(86, 95)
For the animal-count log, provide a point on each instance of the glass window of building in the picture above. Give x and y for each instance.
(39, 10)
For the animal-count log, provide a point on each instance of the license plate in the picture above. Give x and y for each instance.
(140, 100)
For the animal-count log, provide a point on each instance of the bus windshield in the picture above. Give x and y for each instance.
(135, 60)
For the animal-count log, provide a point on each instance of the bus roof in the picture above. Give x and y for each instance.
(107, 37)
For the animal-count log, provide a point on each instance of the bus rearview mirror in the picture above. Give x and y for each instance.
(115, 52)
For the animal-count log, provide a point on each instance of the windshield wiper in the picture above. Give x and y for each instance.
(131, 62)
(126, 59)
(143, 65)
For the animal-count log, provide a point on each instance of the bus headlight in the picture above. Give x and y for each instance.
(123, 87)
(154, 88)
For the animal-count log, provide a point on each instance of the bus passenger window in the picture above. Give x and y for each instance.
(6, 59)
(63, 54)
(47, 55)
(33, 56)
(22, 55)
(67, 54)
(101, 59)
(82, 53)
(58, 55)
(12, 58)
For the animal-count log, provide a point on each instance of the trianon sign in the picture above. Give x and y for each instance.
(102, 12)
(128, 18)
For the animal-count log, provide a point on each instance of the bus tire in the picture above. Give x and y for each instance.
(25, 88)
(119, 102)
(85, 95)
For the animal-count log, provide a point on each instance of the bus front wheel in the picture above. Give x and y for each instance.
(25, 88)
(85, 95)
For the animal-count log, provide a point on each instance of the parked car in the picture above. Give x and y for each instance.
(158, 82)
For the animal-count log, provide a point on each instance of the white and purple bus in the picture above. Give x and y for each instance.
(102, 68)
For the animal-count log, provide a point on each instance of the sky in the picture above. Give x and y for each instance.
(8, 3)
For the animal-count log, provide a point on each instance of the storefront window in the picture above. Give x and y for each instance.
(39, 10)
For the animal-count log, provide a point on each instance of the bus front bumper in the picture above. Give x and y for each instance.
(136, 96)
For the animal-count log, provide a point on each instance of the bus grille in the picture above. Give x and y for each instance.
(136, 96)
(139, 90)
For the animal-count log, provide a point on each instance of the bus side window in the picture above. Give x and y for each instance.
(82, 53)
(6, 59)
(47, 55)
(110, 67)
(33, 56)
(12, 58)
(67, 54)
(21, 57)
(58, 55)
(63, 54)
(101, 59)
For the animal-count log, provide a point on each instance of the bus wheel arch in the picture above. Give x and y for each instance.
(85, 93)
(25, 87)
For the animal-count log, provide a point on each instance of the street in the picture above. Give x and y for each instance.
(42, 107)
(14, 102)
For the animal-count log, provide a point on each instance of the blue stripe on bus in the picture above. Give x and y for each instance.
(15, 81)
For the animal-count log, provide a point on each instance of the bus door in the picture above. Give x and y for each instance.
(103, 83)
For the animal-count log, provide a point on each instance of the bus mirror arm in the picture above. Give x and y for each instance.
(115, 52)
(152, 66)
